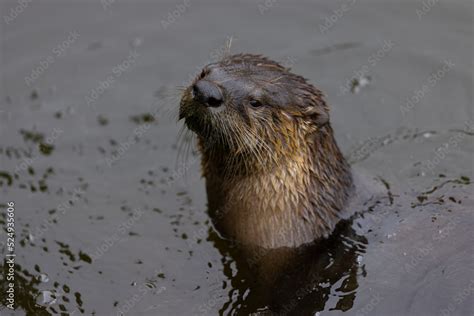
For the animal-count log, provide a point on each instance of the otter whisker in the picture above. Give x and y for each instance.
(228, 47)
(184, 143)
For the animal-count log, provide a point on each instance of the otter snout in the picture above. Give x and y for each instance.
(207, 93)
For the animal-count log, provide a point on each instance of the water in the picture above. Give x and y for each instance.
(113, 220)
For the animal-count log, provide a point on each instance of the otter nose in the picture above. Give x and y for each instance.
(208, 93)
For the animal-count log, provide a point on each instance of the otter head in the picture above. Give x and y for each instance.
(250, 107)
(274, 173)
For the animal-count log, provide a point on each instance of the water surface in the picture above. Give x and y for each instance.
(110, 221)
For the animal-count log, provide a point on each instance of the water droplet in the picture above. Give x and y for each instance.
(46, 298)
(43, 278)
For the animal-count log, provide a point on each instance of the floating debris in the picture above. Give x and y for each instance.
(358, 83)
(102, 120)
(34, 94)
(142, 118)
(46, 149)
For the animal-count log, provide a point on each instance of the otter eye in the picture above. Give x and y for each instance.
(255, 103)
(202, 75)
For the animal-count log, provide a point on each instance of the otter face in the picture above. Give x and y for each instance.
(248, 102)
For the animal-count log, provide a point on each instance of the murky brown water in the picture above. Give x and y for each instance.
(109, 220)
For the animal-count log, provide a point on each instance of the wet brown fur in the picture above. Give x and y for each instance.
(274, 176)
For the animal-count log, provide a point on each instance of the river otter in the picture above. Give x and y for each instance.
(275, 176)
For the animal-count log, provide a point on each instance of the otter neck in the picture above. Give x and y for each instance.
(288, 199)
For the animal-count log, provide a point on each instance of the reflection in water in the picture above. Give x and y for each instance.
(35, 301)
(290, 281)
(323, 275)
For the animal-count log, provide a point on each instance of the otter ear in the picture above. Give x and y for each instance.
(317, 114)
